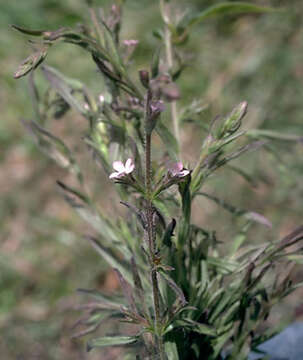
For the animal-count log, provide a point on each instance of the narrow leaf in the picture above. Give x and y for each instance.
(139, 214)
(250, 215)
(168, 139)
(63, 86)
(127, 291)
(137, 282)
(203, 329)
(53, 147)
(169, 232)
(174, 287)
(225, 8)
(111, 258)
(111, 341)
(274, 135)
(28, 31)
(113, 302)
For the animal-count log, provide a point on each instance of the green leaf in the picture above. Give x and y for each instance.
(112, 50)
(171, 350)
(168, 139)
(178, 291)
(203, 329)
(31, 63)
(111, 302)
(53, 147)
(89, 213)
(64, 87)
(111, 258)
(155, 63)
(250, 215)
(225, 8)
(169, 232)
(128, 291)
(274, 135)
(28, 31)
(111, 341)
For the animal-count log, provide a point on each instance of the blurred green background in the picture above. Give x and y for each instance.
(43, 258)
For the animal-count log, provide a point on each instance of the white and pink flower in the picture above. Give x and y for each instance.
(121, 169)
(177, 170)
(130, 42)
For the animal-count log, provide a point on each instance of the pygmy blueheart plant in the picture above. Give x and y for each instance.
(186, 296)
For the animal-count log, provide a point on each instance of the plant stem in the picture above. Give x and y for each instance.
(151, 234)
(170, 63)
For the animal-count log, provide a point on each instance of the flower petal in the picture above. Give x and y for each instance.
(129, 166)
(179, 166)
(118, 166)
(183, 173)
(175, 168)
(114, 175)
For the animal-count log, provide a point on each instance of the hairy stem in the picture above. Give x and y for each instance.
(152, 234)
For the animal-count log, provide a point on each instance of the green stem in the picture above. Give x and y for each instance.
(170, 63)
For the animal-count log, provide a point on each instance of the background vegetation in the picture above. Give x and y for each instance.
(43, 258)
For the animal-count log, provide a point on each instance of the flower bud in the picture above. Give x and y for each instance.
(31, 63)
(155, 109)
(233, 120)
(144, 78)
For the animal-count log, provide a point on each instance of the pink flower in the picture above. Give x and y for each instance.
(121, 169)
(177, 170)
(130, 42)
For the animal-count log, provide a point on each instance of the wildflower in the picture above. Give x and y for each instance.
(154, 111)
(177, 170)
(101, 98)
(121, 169)
(130, 42)
(157, 107)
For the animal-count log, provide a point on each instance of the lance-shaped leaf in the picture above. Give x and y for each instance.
(274, 135)
(195, 326)
(111, 258)
(244, 149)
(113, 76)
(169, 232)
(81, 203)
(34, 94)
(291, 238)
(109, 301)
(155, 63)
(177, 290)
(168, 139)
(137, 282)
(112, 50)
(225, 8)
(65, 87)
(139, 213)
(53, 147)
(29, 31)
(111, 341)
(31, 63)
(94, 321)
(127, 291)
(250, 215)
(249, 178)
